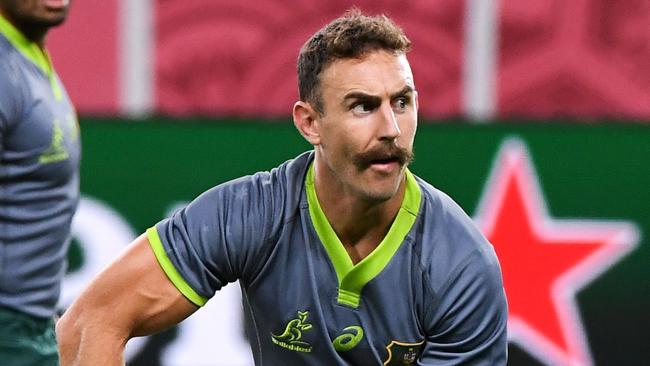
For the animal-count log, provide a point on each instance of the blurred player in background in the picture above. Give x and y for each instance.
(344, 256)
(39, 188)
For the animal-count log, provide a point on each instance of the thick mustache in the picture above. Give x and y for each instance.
(383, 152)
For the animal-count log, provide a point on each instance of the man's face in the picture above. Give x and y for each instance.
(368, 123)
(35, 13)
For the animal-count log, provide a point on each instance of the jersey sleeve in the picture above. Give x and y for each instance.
(468, 325)
(466, 317)
(216, 239)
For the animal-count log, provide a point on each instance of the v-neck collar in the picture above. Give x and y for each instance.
(353, 277)
(31, 51)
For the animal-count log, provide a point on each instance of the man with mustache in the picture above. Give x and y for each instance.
(343, 255)
(39, 181)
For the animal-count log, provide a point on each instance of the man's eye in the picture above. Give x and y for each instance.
(362, 108)
(400, 103)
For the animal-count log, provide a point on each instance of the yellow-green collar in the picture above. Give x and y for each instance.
(31, 51)
(353, 277)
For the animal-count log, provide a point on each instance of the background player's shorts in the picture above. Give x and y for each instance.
(25, 340)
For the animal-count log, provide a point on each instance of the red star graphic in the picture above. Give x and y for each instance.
(545, 261)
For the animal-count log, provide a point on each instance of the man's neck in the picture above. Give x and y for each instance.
(33, 33)
(359, 224)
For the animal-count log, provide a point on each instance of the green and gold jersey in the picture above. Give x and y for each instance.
(430, 293)
(39, 180)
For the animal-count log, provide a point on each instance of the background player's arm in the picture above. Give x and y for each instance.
(132, 297)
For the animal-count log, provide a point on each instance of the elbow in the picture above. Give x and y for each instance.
(65, 328)
(86, 338)
(68, 337)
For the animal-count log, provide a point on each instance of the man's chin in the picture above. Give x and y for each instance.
(379, 193)
(51, 19)
(54, 21)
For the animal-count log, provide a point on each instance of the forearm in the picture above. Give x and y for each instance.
(132, 297)
(81, 343)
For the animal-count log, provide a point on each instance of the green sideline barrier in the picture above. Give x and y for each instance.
(585, 171)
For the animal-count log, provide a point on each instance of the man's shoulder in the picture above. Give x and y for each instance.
(448, 236)
(9, 68)
(12, 85)
(5, 45)
(278, 190)
(288, 176)
(9, 55)
(293, 170)
(439, 207)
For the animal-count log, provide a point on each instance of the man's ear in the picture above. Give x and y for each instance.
(307, 121)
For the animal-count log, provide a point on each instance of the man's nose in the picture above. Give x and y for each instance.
(389, 129)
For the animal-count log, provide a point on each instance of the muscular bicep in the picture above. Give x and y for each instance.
(133, 296)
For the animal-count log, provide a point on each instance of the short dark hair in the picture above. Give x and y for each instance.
(353, 35)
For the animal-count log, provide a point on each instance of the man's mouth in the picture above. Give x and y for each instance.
(55, 4)
(387, 160)
(386, 165)
(383, 158)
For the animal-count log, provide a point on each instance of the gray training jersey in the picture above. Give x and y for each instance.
(39, 189)
(429, 294)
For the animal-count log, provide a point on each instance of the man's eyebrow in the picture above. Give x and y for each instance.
(360, 96)
(405, 91)
(370, 97)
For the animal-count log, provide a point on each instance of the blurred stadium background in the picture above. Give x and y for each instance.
(535, 117)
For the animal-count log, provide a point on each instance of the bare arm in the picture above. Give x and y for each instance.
(132, 297)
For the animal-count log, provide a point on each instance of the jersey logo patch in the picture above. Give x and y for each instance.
(349, 340)
(292, 335)
(56, 151)
(400, 353)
